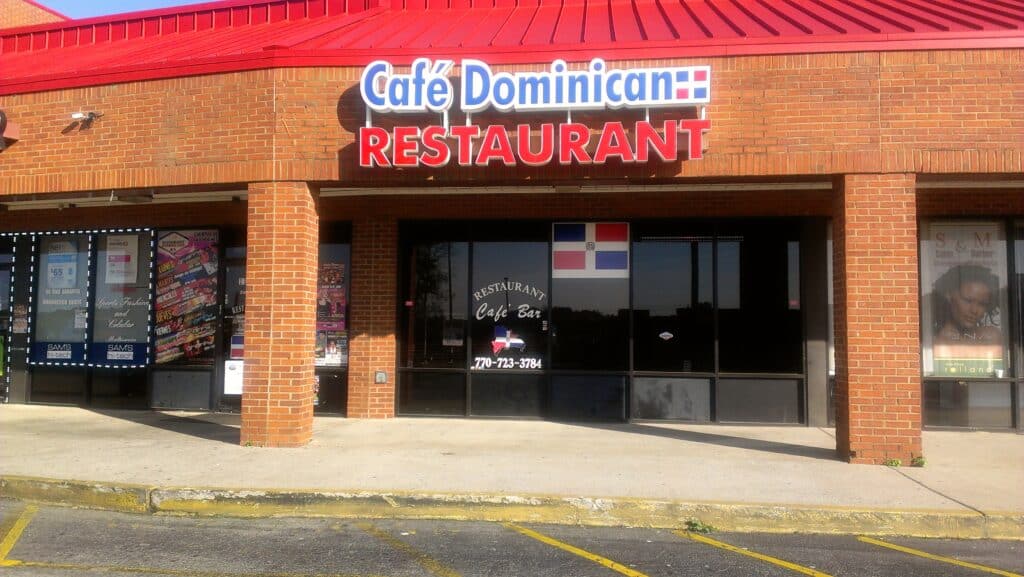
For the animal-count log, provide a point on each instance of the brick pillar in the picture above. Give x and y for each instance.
(280, 314)
(877, 334)
(374, 324)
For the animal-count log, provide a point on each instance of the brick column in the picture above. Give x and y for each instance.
(877, 334)
(374, 324)
(280, 314)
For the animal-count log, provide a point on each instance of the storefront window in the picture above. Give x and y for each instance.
(964, 300)
(332, 306)
(62, 313)
(437, 305)
(120, 334)
(759, 321)
(673, 304)
(186, 296)
(590, 296)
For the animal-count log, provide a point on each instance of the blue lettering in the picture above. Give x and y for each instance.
(476, 85)
(368, 85)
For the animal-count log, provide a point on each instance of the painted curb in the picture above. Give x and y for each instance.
(608, 512)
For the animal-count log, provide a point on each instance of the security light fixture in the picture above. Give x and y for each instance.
(87, 116)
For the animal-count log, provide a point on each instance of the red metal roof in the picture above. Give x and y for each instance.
(251, 34)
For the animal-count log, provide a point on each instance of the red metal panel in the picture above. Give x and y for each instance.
(102, 33)
(221, 18)
(511, 34)
(484, 32)
(978, 10)
(403, 35)
(316, 8)
(385, 28)
(278, 11)
(442, 28)
(625, 27)
(456, 36)
(168, 24)
(865, 19)
(151, 27)
(684, 21)
(54, 37)
(38, 41)
(770, 19)
(655, 27)
(570, 25)
(929, 14)
(204, 20)
(597, 20)
(296, 9)
(800, 16)
(542, 29)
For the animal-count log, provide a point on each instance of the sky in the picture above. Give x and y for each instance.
(87, 8)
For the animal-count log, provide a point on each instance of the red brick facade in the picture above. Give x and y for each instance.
(884, 125)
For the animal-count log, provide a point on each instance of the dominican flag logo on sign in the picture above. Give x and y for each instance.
(590, 250)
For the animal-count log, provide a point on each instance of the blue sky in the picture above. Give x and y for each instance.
(87, 8)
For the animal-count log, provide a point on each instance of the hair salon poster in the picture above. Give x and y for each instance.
(964, 280)
(62, 313)
(186, 296)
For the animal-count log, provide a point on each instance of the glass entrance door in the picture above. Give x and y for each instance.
(509, 306)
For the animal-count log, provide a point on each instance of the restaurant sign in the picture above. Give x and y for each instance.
(427, 88)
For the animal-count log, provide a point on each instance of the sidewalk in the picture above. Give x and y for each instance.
(969, 475)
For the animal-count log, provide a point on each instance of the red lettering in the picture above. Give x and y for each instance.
(436, 152)
(374, 143)
(613, 142)
(647, 136)
(464, 136)
(406, 146)
(572, 143)
(696, 129)
(547, 145)
(495, 145)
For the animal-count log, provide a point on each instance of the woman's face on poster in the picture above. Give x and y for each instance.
(970, 303)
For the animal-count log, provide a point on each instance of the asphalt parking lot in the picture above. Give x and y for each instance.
(39, 540)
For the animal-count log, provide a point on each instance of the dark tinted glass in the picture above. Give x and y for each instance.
(432, 394)
(586, 397)
(673, 399)
(759, 400)
(758, 299)
(673, 305)
(497, 394)
(590, 324)
(509, 305)
(967, 404)
(436, 305)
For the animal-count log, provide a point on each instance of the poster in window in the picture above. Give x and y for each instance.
(964, 281)
(331, 302)
(186, 296)
(120, 334)
(62, 312)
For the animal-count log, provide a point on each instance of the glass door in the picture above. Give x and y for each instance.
(509, 328)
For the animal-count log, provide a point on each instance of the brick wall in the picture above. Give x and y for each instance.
(373, 328)
(280, 315)
(878, 368)
(922, 112)
(15, 13)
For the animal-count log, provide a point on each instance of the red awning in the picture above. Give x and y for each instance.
(244, 35)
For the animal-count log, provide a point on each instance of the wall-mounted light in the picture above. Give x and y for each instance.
(89, 116)
(82, 120)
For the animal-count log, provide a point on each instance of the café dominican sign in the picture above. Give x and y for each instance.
(427, 88)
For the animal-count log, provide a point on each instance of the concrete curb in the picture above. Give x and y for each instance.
(740, 517)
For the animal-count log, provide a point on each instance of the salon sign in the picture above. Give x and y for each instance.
(428, 88)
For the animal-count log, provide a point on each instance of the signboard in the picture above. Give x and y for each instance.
(331, 335)
(964, 278)
(120, 334)
(186, 296)
(62, 313)
(427, 88)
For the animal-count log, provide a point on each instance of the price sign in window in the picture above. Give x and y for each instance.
(62, 305)
(120, 328)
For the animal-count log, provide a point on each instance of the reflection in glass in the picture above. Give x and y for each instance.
(964, 299)
(507, 395)
(439, 275)
(121, 320)
(760, 325)
(672, 399)
(62, 313)
(967, 404)
(432, 393)
(590, 324)
(672, 306)
(587, 397)
(759, 400)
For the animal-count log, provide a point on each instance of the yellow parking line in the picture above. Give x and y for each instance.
(158, 570)
(426, 561)
(603, 561)
(934, 557)
(11, 539)
(759, 556)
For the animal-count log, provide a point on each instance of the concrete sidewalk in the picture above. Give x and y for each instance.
(968, 474)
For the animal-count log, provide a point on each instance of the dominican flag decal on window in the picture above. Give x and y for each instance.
(590, 250)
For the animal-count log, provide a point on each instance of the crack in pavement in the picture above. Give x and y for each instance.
(940, 493)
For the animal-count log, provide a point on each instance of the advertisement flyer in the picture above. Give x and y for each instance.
(186, 296)
(61, 314)
(121, 326)
(331, 335)
(122, 258)
(964, 279)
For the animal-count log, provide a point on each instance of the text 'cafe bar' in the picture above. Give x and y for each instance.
(700, 212)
